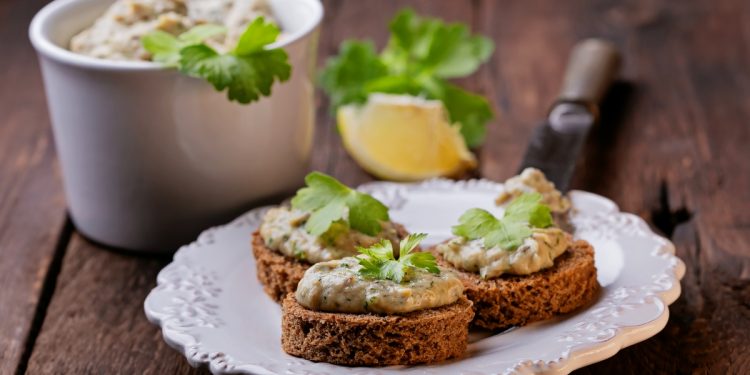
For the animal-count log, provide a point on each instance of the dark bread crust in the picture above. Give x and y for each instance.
(511, 300)
(424, 336)
(278, 273)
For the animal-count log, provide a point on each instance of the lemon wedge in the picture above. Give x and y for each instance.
(403, 138)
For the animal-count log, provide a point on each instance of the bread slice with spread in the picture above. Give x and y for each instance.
(520, 267)
(326, 221)
(376, 310)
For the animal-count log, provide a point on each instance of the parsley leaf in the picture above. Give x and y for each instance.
(165, 47)
(378, 262)
(420, 55)
(247, 72)
(343, 75)
(529, 209)
(200, 33)
(428, 44)
(329, 200)
(470, 110)
(521, 215)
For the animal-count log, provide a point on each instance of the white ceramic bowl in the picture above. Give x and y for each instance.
(150, 157)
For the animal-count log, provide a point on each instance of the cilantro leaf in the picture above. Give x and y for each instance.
(420, 55)
(377, 261)
(329, 200)
(247, 72)
(521, 215)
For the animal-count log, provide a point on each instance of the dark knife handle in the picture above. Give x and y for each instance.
(591, 69)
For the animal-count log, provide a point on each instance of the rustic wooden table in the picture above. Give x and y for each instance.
(672, 147)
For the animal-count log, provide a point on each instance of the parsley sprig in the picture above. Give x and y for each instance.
(329, 201)
(247, 72)
(378, 262)
(421, 55)
(509, 232)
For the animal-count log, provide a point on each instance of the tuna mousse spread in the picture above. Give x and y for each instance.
(378, 309)
(520, 267)
(535, 253)
(116, 35)
(284, 230)
(341, 286)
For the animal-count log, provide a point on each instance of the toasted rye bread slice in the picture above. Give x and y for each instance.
(511, 300)
(424, 336)
(278, 273)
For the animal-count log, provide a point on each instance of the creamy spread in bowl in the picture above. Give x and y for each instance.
(116, 35)
(337, 286)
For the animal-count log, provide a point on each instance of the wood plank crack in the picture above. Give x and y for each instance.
(667, 218)
(48, 290)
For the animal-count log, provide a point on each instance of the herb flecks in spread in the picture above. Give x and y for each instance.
(533, 180)
(378, 262)
(376, 282)
(247, 72)
(327, 220)
(421, 55)
(520, 243)
(331, 201)
(283, 230)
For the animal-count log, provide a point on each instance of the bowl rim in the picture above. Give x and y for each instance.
(45, 47)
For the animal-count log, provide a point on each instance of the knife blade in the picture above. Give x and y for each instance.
(556, 144)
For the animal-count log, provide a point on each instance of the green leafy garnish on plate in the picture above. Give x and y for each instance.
(378, 262)
(330, 201)
(247, 72)
(509, 232)
(421, 55)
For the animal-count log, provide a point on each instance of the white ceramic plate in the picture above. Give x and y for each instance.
(211, 307)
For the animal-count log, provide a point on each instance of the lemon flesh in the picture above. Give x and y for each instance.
(403, 138)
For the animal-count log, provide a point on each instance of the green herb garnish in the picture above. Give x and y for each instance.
(521, 215)
(329, 201)
(377, 261)
(421, 55)
(247, 72)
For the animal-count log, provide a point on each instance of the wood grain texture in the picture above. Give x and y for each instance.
(32, 207)
(672, 148)
(669, 148)
(95, 323)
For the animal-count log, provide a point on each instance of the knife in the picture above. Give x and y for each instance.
(556, 144)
